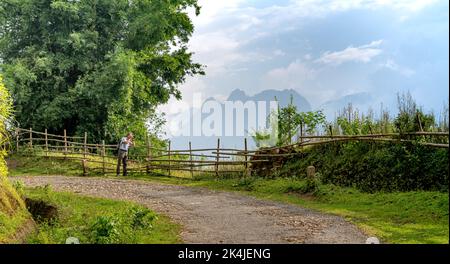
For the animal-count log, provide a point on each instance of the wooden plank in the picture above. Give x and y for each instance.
(217, 158)
(147, 141)
(190, 159)
(169, 159)
(85, 146)
(46, 143)
(31, 139)
(245, 157)
(103, 156)
(223, 162)
(65, 142)
(17, 140)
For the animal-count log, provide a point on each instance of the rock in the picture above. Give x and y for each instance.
(311, 172)
(372, 240)
(72, 240)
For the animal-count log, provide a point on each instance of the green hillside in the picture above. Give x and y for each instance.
(13, 214)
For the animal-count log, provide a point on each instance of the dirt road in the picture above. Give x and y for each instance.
(214, 216)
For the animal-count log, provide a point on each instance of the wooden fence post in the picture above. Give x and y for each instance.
(103, 157)
(301, 132)
(46, 143)
(420, 123)
(245, 157)
(190, 159)
(84, 163)
(217, 157)
(65, 143)
(148, 153)
(168, 153)
(85, 145)
(17, 140)
(31, 140)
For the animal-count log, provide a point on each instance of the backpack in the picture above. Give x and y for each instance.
(118, 146)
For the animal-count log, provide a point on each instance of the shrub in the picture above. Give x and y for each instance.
(246, 184)
(104, 230)
(374, 167)
(142, 217)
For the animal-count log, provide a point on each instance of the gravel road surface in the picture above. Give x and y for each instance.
(209, 216)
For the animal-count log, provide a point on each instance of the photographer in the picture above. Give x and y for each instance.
(124, 144)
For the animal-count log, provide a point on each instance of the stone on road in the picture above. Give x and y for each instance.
(209, 216)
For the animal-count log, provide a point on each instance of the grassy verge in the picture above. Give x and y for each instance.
(397, 217)
(11, 224)
(96, 220)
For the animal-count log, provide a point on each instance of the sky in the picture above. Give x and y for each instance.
(322, 49)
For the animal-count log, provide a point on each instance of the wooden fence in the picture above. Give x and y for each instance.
(101, 158)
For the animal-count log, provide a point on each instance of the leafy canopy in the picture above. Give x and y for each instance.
(100, 66)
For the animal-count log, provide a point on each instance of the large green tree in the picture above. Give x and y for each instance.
(100, 66)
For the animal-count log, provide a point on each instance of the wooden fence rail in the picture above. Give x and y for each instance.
(152, 160)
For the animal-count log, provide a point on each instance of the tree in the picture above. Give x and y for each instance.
(410, 117)
(100, 66)
(290, 121)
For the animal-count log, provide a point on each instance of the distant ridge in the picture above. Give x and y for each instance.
(283, 97)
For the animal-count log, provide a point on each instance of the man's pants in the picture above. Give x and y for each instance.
(122, 158)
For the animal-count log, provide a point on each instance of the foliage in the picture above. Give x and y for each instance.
(104, 230)
(98, 66)
(307, 186)
(13, 213)
(302, 123)
(289, 122)
(267, 137)
(96, 220)
(410, 117)
(373, 167)
(5, 112)
(395, 217)
(19, 187)
(142, 218)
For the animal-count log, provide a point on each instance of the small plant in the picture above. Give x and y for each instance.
(104, 230)
(19, 186)
(245, 183)
(142, 218)
(307, 186)
(311, 186)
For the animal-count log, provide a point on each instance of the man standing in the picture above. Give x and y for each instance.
(124, 144)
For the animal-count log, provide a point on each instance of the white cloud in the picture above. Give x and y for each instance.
(211, 10)
(290, 77)
(278, 52)
(323, 7)
(392, 65)
(363, 53)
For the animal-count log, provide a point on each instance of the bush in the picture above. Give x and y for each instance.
(142, 217)
(104, 230)
(246, 184)
(374, 167)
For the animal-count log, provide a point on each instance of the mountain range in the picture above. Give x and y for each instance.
(360, 100)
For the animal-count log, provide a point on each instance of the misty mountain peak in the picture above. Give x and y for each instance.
(237, 95)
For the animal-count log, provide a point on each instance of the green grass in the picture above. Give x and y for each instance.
(23, 165)
(398, 217)
(96, 220)
(10, 224)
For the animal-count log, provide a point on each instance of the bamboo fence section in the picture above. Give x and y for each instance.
(217, 161)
